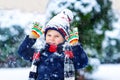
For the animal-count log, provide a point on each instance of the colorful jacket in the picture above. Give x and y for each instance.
(51, 65)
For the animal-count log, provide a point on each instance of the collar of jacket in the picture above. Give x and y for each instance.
(59, 47)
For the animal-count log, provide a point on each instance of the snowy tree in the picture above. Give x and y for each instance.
(14, 26)
(10, 38)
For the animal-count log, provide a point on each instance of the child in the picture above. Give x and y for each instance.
(57, 52)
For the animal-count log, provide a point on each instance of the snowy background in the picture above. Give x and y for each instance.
(16, 17)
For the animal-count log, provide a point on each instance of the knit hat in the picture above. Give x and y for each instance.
(60, 23)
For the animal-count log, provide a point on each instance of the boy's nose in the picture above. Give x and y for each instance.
(52, 38)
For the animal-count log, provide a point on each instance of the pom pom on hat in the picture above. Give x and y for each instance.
(68, 13)
(60, 23)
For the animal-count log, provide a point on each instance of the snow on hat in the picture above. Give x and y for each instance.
(60, 23)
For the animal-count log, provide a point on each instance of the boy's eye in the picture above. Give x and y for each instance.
(49, 35)
(56, 36)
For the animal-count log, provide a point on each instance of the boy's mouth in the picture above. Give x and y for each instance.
(51, 43)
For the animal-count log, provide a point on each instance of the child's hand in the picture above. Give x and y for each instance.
(73, 39)
(36, 30)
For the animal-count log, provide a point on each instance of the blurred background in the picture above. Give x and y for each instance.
(98, 22)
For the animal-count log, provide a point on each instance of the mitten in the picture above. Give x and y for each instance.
(37, 30)
(73, 38)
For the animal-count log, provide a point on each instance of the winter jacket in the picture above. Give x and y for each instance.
(51, 65)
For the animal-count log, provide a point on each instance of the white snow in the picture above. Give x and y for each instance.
(14, 73)
(12, 17)
(8, 18)
(104, 72)
(107, 72)
(78, 5)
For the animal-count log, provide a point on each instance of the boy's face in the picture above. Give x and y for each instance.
(54, 37)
